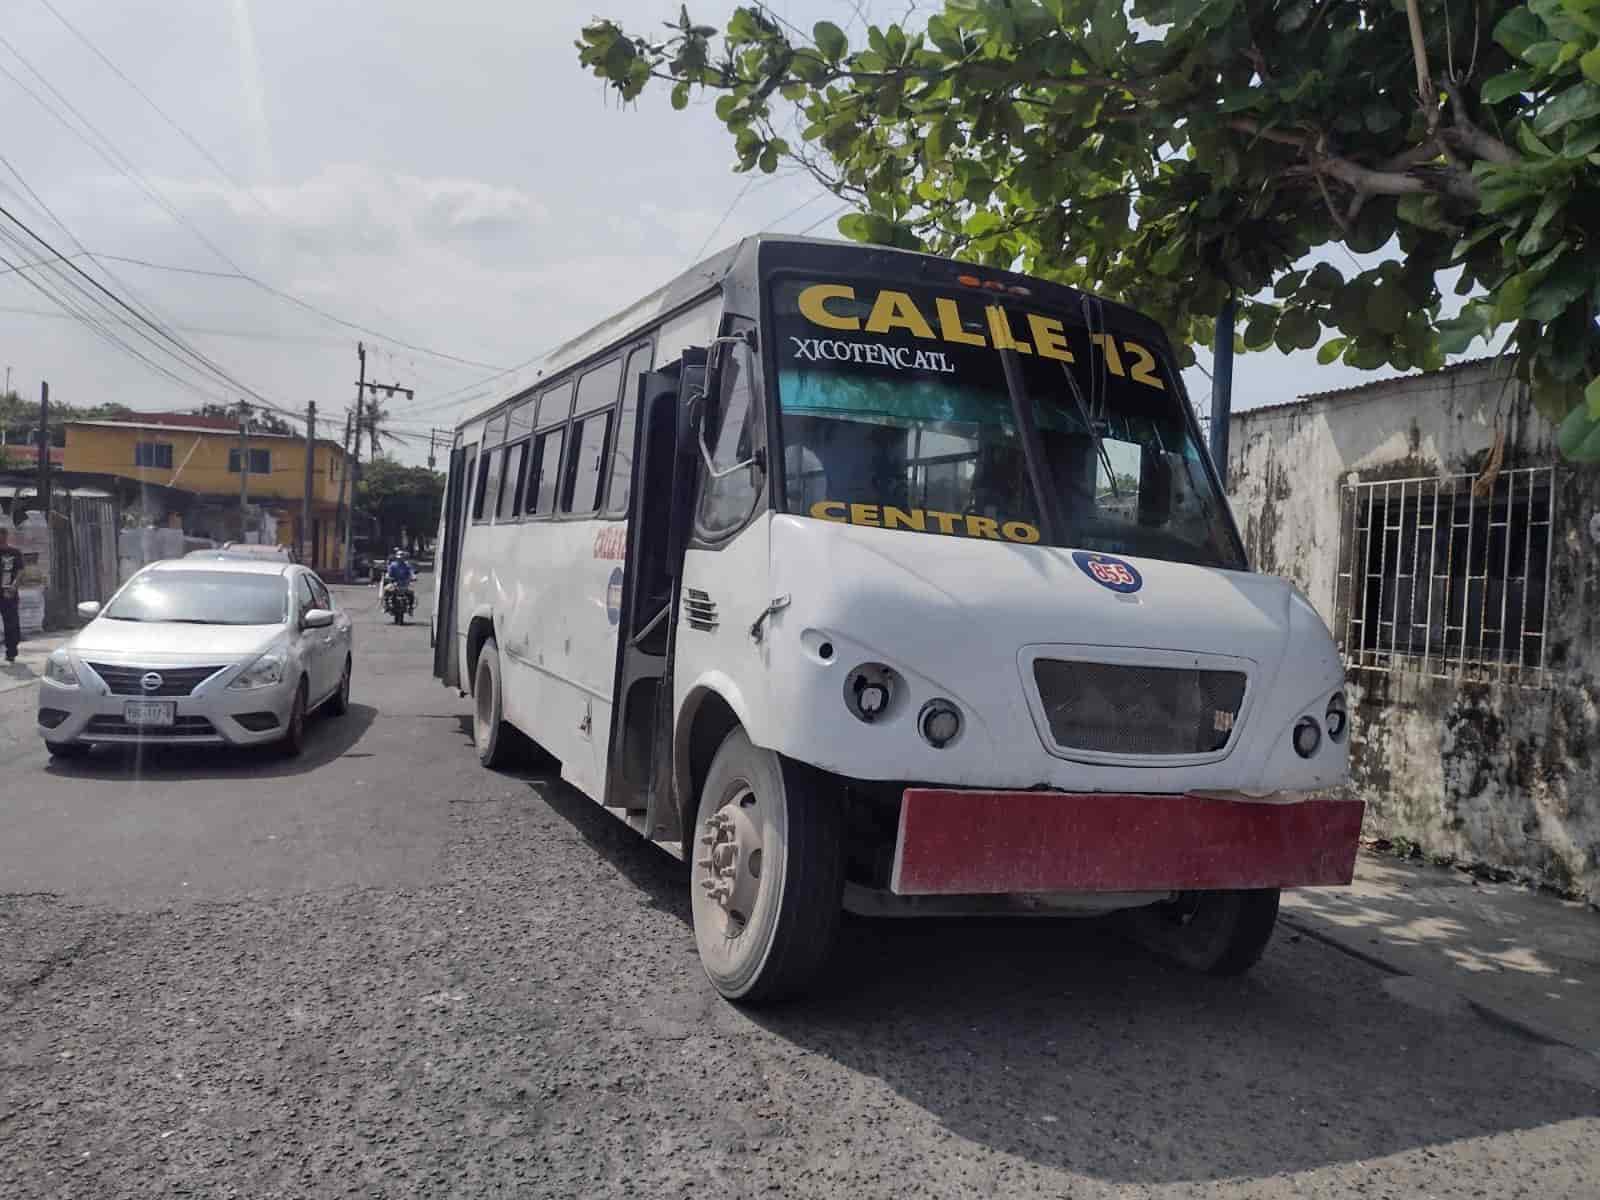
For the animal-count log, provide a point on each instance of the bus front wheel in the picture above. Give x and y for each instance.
(496, 741)
(1220, 933)
(767, 875)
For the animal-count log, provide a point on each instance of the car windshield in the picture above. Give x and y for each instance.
(896, 413)
(203, 598)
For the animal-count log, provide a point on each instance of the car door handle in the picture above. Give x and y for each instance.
(327, 641)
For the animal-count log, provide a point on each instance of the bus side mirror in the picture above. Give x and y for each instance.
(700, 408)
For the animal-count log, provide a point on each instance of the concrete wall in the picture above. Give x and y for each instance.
(1482, 772)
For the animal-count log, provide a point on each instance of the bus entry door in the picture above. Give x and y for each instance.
(639, 775)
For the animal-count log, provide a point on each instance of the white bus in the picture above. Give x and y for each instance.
(868, 579)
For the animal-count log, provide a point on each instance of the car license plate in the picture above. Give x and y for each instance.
(149, 713)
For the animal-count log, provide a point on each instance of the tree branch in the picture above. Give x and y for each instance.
(1419, 51)
(1468, 138)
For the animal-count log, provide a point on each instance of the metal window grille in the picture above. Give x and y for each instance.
(1437, 578)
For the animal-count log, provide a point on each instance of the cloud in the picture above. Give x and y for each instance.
(358, 208)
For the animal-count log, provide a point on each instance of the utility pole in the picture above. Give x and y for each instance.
(1222, 389)
(390, 390)
(244, 469)
(44, 449)
(308, 547)
(353, 463)
(438, 437)
(344, 476)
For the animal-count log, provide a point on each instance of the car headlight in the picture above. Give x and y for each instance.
(59, 668)
(262, 672)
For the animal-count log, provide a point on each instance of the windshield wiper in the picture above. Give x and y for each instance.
(1032, 449)
(1088, 423)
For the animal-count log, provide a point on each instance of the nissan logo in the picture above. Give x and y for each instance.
(151, 682)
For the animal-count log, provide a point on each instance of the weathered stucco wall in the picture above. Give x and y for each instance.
(1482, 772)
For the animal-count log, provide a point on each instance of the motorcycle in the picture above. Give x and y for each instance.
(399, 601)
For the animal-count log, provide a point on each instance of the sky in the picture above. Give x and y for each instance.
(443, 179)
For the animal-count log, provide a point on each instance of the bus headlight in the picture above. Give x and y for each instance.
(1307, 737)
(1337, 717)
(939, 722)
(870, 692)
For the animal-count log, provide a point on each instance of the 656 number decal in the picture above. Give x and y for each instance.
(1109, 571)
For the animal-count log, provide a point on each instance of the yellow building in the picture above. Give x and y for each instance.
(191, 466)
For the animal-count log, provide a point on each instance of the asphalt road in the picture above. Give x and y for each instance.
(383, 971)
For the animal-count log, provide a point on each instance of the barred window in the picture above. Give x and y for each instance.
(1445, 578)
(152, 454)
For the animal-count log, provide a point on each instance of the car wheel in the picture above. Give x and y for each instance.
(498, 742)
(339, 702)
(1219, 933)
(294, 735)
(66, 750)
(768, 878)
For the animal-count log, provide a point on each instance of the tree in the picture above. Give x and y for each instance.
(1201, 151)
(262, 420)
(401, 498)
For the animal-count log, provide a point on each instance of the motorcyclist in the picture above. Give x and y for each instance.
(399, 572)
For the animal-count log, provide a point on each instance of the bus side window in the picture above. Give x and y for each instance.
(733, 432)
(489, 485)
(517, 482)
(592, 414)
(591, 439)
(481, 489)
(622, 461)
(544, 472)
(510, 479)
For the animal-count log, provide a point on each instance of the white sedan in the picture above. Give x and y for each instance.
(196, 651)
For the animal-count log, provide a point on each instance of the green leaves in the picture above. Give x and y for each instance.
(1209, 152)
(830, 40)
(1506, 85)
(1577, 103)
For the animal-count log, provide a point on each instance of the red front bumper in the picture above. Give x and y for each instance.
(983, 843)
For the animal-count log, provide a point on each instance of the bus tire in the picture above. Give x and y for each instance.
(1219, 933)
(496, 741)
(766, 890)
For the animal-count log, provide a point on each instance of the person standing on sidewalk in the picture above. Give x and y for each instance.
(10, 577)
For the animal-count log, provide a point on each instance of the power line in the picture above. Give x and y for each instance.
(124, 166)
(825, 217)
(749, 179)
(305, 339)
(220, 372)
(94, 326)
(292, 299)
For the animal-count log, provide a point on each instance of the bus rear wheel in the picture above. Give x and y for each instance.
(496, 741)
(767, 875)
(1220, 933)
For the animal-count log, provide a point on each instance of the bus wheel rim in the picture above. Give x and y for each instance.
(730, 864)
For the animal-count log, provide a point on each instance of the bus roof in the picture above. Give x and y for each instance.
(710, 272)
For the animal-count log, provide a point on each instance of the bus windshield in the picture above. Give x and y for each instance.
(896, 412)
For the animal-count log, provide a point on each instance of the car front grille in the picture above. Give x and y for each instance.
(182, 727)
(129, 681)
(1110, 708)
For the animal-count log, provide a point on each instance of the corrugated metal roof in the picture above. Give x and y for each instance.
(227, 431)
(1357, 389)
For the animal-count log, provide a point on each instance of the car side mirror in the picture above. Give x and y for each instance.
(316, 618)
(89, 609)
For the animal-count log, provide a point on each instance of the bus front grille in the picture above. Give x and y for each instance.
(1111, 708)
